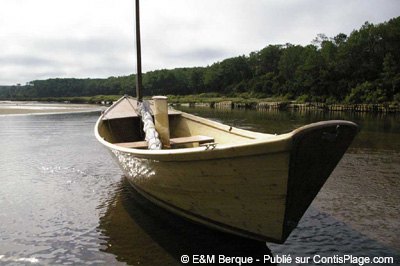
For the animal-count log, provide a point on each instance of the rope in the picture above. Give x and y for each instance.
(152, 139)
(143, 110)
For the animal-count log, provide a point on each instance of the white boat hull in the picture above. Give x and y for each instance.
(252, 184)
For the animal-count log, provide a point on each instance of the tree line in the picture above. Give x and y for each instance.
(363, 67)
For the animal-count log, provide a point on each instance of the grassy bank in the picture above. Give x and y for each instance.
(239, 101)
(205, 98)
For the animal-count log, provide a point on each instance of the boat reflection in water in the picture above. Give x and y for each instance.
(137, 231)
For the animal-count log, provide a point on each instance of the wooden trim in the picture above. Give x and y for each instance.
(226, 128)
(175, 141)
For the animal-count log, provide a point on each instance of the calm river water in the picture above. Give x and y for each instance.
(64, 201)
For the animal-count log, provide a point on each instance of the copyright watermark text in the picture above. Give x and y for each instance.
(287, 259)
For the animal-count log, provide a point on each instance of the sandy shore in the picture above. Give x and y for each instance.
(20, 108)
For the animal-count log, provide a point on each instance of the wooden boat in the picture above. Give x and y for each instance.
(247, 183)
(251, 184)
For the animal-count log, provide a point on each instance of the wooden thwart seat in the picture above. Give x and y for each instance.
(174, 141)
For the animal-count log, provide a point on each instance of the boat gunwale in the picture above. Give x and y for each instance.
(283, 142)
(257, 143)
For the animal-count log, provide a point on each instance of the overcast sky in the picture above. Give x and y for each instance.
(42, 39)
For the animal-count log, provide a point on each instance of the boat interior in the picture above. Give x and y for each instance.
(122, 126)
(185, 132)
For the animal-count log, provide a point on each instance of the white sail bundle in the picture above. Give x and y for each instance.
(152, 138)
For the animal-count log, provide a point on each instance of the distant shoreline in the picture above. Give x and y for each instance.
(25, 108)
(273, 103)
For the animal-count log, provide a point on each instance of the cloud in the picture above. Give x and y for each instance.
(23, 61)
(95, 38)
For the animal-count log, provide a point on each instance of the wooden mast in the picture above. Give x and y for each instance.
(139, 94)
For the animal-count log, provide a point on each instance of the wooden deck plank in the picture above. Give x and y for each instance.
(174, 141)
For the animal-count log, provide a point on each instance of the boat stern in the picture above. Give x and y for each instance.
(317, 149)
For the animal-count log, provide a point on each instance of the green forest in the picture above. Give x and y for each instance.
(363, 67)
